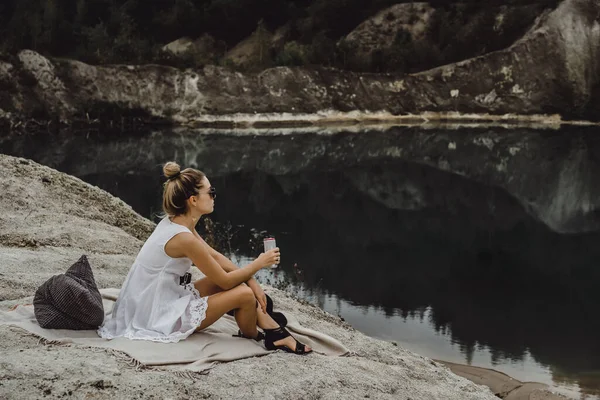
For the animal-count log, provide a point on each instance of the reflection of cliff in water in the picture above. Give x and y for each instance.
(550, 173)
(492, 275)
(463, 221)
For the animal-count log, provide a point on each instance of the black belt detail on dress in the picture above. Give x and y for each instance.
(185, 279)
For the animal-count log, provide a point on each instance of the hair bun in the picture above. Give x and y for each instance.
(171, 170)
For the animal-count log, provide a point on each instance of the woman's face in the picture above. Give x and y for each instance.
(205, 199)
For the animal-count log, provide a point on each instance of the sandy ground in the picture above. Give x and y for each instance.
(49, 219)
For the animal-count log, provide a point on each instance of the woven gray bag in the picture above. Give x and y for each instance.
(70, 300)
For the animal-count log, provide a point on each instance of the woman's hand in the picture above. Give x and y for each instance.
(269, 257)
(265, 259)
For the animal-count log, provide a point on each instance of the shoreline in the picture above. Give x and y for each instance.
(327, 120)
(502, 385)
(331, 118)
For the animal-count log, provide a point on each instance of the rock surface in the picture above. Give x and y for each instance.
(554, 68)
(179, 47)
(255, 49)
(50, 219)
(419, 36)
(503, 385)
(381, 31)
(37, 235)
(203, 50)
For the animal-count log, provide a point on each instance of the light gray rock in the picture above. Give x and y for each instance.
(203, 50)
(50, 219)
(179, 46)
(380, 31)
(253, 50)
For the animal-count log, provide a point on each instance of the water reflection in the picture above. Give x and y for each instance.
(402, 233)
(551, 174)
(496, 279)
(413, 329)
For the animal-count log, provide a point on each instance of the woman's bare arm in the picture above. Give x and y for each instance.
(223, 261)
(187, 245)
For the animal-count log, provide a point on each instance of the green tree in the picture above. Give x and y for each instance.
(97, 44)
(293, 54)
(50, 24)
(322, 50)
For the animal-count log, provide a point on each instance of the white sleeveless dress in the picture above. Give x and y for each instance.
(152, 305)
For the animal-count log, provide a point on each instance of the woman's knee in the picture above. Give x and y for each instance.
(244, 294)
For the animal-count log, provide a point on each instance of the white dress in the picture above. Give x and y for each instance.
(152, 305)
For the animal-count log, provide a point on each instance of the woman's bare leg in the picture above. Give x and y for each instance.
(241, 299)
(264, 320)
(206, 287)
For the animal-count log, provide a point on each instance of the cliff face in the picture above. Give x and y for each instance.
(554, 68)
(413, 37)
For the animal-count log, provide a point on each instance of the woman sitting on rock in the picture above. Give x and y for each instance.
(155, 302)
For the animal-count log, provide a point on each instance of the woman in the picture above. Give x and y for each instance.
(155, 302)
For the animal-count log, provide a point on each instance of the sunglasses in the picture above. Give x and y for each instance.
(212, 192)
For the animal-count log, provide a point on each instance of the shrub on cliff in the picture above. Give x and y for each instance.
(293, 53)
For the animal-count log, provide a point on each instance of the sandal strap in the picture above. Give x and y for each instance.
(258, 337)
(300, 347)
(273, 335)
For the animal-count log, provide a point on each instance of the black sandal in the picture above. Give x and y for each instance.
(277, 316)
(276, 334)
(258, 337)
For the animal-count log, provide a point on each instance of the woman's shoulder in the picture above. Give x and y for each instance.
(166, 224)
(165, 230)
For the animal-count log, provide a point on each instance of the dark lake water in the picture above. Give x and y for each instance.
(477, 246)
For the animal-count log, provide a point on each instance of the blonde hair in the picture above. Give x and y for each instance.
(180, 185)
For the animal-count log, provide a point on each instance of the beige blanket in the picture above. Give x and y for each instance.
(197, 353)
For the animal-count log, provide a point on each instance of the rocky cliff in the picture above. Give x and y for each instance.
(553, 68)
